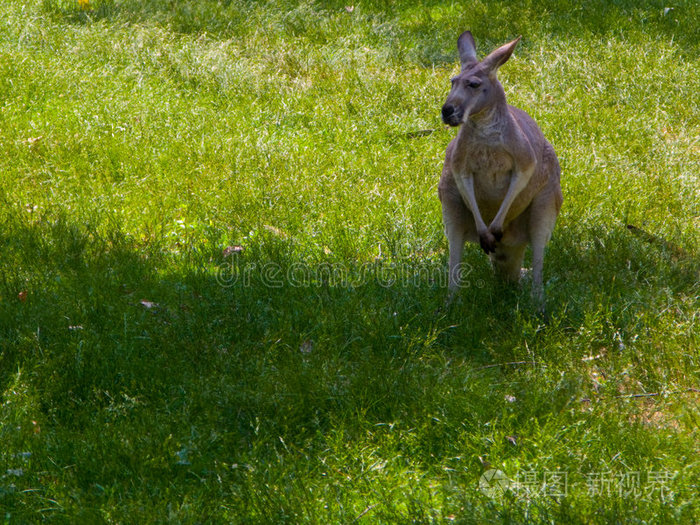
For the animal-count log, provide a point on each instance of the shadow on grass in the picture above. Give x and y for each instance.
(619, 263)
(141, 369)
(88, 315)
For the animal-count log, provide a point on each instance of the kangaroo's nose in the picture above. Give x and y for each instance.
(448, 112)
(451, 115)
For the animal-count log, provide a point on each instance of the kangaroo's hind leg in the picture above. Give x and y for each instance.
(507, 261)
(543, 216)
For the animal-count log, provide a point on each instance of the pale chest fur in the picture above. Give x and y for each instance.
(490, 165)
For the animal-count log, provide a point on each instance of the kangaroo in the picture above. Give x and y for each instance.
(499, 170)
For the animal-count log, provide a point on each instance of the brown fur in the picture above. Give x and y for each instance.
(499, 170)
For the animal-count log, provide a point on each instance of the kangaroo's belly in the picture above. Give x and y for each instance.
(492, 170)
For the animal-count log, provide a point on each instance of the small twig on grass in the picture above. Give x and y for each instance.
(656, 240)
(512, 363)
(643, 395)
(420, 133)
(364, 512)
(654, 394)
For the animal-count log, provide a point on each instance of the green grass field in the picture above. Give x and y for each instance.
(223, 271)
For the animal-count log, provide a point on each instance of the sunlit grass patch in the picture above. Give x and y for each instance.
(223, 267)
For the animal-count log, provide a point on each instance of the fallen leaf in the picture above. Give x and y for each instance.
(22, 296)
(275, 230)
(512, 440)
(148, 304)
(232, 249)
(307, 346)
(182, 457)
(486, 464)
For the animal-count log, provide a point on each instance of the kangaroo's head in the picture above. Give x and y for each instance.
(476, 88)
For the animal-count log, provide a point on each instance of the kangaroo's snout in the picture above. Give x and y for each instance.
(451, 115)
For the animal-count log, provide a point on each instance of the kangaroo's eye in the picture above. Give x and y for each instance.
(473, 83)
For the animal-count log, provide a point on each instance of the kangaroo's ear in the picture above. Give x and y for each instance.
(499, 56)
(467, 49)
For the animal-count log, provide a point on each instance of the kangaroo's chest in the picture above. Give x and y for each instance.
(491, 168)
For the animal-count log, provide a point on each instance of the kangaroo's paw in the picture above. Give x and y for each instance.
(497, 232)
(487, 241)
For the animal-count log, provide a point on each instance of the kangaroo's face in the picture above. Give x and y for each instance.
(476, 88)
(473, 91)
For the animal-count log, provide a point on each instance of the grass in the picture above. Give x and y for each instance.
(223, 267)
